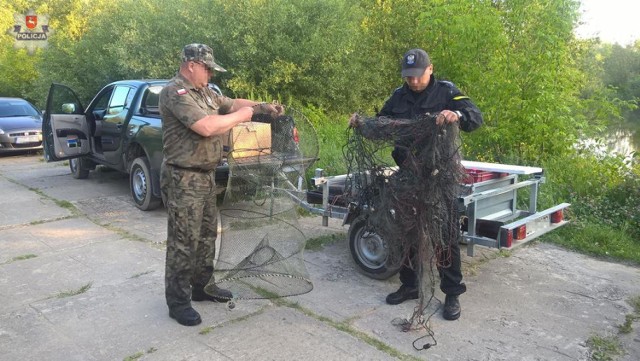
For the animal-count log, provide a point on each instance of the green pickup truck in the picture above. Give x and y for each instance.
(120, 129)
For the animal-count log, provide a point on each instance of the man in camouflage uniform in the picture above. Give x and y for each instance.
(194, 118)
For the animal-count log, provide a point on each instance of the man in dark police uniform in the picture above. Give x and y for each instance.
(422, 93)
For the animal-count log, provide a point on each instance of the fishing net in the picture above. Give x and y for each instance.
(261, 243)
(412, 207)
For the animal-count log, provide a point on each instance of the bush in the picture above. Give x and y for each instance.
(604, 193)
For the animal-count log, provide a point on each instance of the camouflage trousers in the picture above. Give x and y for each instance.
(191, 232)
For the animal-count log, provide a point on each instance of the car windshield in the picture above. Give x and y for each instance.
(17, 108)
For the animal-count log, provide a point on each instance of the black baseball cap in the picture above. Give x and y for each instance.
(415, 62)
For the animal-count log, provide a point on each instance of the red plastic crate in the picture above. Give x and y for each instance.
(475, 176)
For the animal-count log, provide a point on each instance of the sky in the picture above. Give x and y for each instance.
(614, 21)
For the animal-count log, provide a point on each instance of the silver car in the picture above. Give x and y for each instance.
(20, 125)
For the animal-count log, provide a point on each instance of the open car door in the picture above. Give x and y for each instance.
(65, 131)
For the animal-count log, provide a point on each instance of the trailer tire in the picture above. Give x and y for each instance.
(369, 251)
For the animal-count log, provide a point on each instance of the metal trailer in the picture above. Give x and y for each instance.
(490, 214)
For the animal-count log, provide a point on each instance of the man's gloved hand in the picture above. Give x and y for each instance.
(279, 109)
(273, 109)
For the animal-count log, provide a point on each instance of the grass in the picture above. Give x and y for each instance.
(121, 232)
(608, 348)
(627, 326)
(141, 274)
(72, 293)
(65, 204)
(208, 329)
(597, 240)
(318, 243)
(20, 258)
(504, 253)
(139, 354)
(346, 327)
(635, 303)
(135, 356)
(60, 203)
(23, 257)
(605, 348)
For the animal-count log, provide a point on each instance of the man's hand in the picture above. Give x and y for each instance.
(246, 113)
(279, 109)
(447, 116)
(355, 120)
(273, 109)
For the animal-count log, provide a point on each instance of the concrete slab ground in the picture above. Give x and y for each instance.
(86, 282)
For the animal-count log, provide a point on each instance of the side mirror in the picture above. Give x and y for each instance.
(68, 108)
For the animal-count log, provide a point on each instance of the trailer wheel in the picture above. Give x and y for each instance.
(141, 186)
(369, 251)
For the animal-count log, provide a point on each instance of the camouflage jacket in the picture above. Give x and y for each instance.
(181, 105)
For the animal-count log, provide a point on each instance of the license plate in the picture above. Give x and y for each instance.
(538, 224)
(28, 139)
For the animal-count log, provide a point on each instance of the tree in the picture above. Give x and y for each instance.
(17, 67)
(622, 73)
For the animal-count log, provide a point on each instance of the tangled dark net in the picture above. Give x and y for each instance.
(412, 207)
(261, 244)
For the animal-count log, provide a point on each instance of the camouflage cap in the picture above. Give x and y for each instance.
(201, 53)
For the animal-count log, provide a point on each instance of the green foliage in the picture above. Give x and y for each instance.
(332, 136)
(17, 67)
(121, 43)
(387, 32)
(530, 115)
(289, 49)
(604, 193)
(622, 72)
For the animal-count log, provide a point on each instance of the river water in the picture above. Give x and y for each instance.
(623, 142)
(618, 142)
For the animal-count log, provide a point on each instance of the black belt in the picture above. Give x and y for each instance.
(192, 169)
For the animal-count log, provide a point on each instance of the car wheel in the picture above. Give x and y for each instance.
(140, 185)
(78, 169)
(369, 251)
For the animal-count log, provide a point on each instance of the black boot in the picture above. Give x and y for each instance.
(186, 317)
(402, 294)
(451, 309)
(211, 292)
